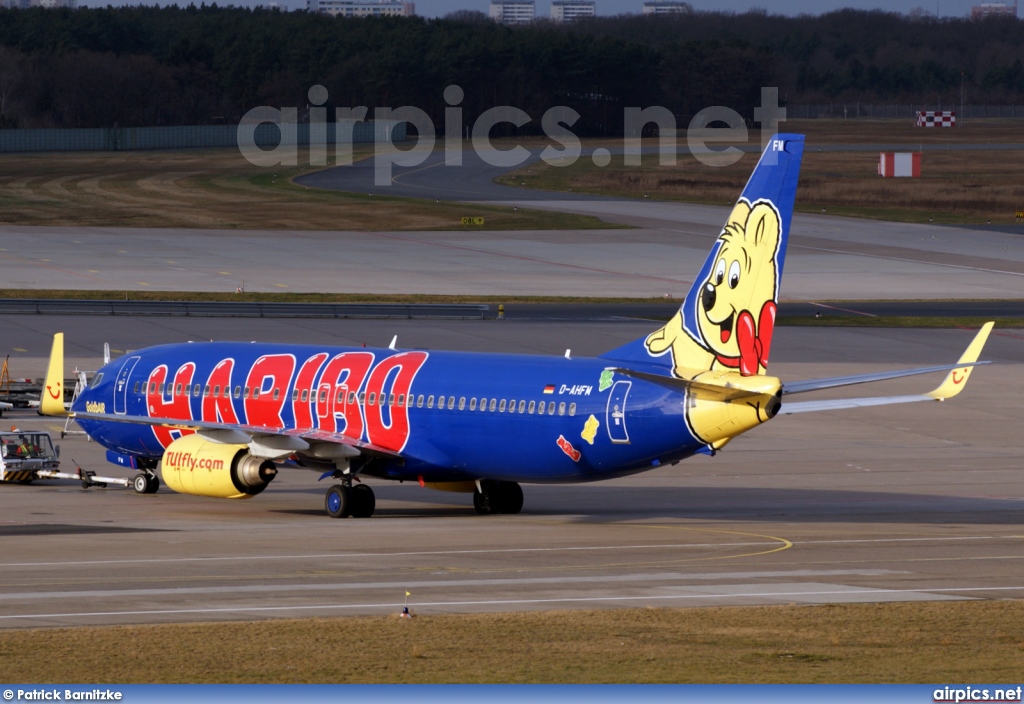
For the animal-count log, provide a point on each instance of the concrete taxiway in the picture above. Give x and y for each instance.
(898, 503)
(829, 258)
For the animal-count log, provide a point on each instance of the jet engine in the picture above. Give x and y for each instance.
(195, 465)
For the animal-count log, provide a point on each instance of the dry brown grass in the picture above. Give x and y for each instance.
(976, 641)
(957, 186)
(217, 188)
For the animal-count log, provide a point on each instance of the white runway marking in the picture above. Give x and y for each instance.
(491, 551)
(838, 591)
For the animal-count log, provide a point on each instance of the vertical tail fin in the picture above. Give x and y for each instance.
(728, 316)
(51, 401)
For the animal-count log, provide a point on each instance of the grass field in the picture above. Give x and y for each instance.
(956, 186)
(217, 188)
(972, 641)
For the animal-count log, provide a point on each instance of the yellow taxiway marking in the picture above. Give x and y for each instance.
(281, 285)
(224, 273)
(19, 349)
(145, 283)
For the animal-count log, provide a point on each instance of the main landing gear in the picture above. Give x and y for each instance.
(146, 482)
(497, 497)
(343, 500)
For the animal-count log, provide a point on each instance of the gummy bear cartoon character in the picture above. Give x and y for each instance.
(734, 313)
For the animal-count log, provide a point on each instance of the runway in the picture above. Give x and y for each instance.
(883, 504)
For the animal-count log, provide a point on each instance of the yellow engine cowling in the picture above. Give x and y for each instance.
(194, 465)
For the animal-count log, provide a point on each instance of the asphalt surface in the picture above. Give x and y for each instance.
(917, 502)
(473, 179)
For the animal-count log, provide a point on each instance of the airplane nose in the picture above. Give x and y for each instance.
(708, 297)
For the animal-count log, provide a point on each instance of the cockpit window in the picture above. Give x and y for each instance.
(96, 381)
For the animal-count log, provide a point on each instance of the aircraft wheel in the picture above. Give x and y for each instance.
(338, 501)
(482, 502)
(154, 484)
(510, 498)
(363, 501)
(141, 483)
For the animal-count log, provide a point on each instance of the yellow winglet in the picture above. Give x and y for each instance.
(51, 401)
(956, 380)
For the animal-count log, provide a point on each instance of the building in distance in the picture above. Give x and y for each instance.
(667, 7)
(569, 10)
(513, 11)
(350, 8)
(994, 9)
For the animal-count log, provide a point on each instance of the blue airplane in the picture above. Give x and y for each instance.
(220, 419)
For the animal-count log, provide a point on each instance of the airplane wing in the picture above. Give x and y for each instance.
(268, 442)
(953, 384)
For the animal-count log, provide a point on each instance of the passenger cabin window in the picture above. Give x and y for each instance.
(401, 400)
(391, 399)
(430, 401)
(419, 401)
(216, 391)
(305, 395)
(255, 392)
(532, 407)
(462, 403)
(501, 406)
(572, 409)
(277, 394)
(373, 397)
(245, 392)
(206, 391)
(295, 394)
(195, 390)
(351, 398)
(451, 402)
(551, 408)
(238, 391)
(177, 390)
(472, 404)
(136, 389)
(493, 404)
(561, 408)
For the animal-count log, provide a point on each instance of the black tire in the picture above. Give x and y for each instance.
(140, 482)
(482, 502)
(363, 501)
(338, 501)
(510, 498)
(154, 484)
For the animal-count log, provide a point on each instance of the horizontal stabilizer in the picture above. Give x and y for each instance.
(708, 392)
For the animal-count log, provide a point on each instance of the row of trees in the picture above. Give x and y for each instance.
(160, 66)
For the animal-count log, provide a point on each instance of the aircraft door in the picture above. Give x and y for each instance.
(121, 385)
(615, 416)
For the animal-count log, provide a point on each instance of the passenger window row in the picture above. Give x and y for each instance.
(491, 405)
